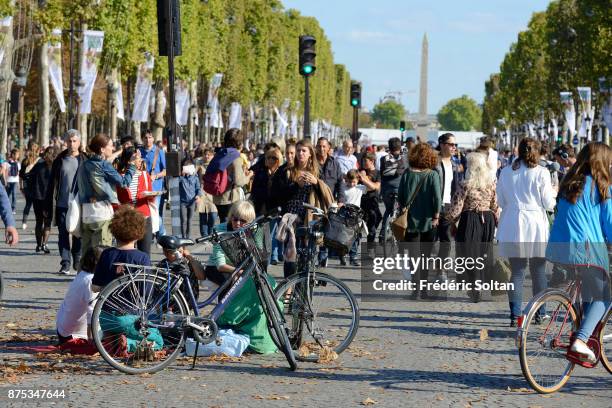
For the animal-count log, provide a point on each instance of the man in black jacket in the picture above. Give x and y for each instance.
(63, 171)
(392, 167)
(331, 174)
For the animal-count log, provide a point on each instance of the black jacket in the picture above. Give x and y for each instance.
(333, 177)
(41, 175)
(54, 185)
(259, 188)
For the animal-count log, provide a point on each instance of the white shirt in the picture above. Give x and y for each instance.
(346, 162)
(75, 311)
(353, 194)
(448, 182)
(524, 195)
(492, 162)
(12, 179)
(379, 156)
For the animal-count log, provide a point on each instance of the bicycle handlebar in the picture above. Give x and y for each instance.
(316, 210)
(262, 219)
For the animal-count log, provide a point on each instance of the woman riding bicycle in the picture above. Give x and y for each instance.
(581, 230)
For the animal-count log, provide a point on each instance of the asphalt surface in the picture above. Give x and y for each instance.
(406, 353)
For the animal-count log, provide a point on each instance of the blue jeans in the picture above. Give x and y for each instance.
(595, 300)
(160, 207)
(389, 206)
(277, 246)
(355, 247)
(207, 223)
(11, 192)
(537, 270)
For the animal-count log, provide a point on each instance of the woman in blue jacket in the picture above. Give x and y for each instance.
(581, 231)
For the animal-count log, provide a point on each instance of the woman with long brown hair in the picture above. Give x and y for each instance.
(524, 193)
(297, 184)
(581, 231)
(41, 176)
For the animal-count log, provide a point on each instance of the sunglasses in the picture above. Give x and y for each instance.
(451, 144)
(240, 220)
(272, 158)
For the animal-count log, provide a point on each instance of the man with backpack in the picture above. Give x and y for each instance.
(225, 175)
(12, 177)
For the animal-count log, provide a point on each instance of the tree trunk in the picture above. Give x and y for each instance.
(158, 120)
(111, 102)
(136, 132)
(193, 111)
(44, 122)
(7, 76)
(82, 118)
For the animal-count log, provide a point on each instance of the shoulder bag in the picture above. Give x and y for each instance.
(400, 224)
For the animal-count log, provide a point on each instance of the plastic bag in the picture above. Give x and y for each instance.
(232, 344)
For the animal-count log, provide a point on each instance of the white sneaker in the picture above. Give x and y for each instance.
(24, 226)
(582, 349)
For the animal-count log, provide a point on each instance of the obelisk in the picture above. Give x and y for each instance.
(422, 122)
(423, 87)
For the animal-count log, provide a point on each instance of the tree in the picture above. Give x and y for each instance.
(461, 114)
(388, 114)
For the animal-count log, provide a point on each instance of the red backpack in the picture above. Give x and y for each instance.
(216, 178)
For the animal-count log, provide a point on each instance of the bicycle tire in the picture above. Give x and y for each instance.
(528, 366)
(389, 243)
(304, 318)
(1, 286)
(113, 345)
(606, 354)
(276, 321)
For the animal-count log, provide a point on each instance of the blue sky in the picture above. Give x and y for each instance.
(380, 42)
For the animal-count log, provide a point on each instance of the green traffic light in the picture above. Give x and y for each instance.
(307, 69)
(355, 102)
(402, 129)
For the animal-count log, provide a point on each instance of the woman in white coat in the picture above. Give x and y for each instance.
(525, 193)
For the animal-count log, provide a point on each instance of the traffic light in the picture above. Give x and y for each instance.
(402, 125)
(163, 15)
(356, 94)
(307, 55)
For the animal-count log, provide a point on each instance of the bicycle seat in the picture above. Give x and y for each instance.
(173, 242)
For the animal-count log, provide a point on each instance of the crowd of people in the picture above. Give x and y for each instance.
(530, 194)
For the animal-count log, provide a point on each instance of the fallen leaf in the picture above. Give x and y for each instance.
(369, 401)
(484, 334)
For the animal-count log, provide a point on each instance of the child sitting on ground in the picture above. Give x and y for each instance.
(74, 316)
(127, 226)
(180, 256)
(353, 193)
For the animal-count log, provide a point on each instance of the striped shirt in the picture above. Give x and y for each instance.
(134, 186)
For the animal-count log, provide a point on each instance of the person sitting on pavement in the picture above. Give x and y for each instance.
(74, 316)
(244, 314)
(176, 254)
(127, 226)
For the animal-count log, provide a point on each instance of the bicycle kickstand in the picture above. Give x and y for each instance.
(195, 355)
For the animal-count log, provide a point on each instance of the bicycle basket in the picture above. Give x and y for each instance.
(260, 242)
(342, 228)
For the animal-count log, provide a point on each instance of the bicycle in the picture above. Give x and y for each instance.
(141, 320)
(387, 238)
(544, 343)
(322, 311)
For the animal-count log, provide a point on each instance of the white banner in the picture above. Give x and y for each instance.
(181, 102)
(5, 24)
(143, 90)
(555, 128)
(54, 56)
(213, 101)
(569, 112)
(584, 92)
(294, 125)
(586, 124)
(235, 116)
(119, 99)
(92, 49)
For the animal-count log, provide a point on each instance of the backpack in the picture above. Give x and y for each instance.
(13, 169)
(216, 178)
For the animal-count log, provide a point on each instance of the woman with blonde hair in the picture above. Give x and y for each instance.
(474, 206)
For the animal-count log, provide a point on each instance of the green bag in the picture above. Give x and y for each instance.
(111, 323)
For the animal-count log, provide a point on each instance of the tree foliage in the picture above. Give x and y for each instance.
(566, 46)
(388, 114)
(460, 114)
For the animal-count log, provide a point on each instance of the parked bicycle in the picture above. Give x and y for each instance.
(322, 312)
(141, 320)
(544, 343)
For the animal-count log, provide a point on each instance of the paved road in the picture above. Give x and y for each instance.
(407, 353)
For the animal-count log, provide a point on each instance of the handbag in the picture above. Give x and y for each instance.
(400, 224)
(73, 215)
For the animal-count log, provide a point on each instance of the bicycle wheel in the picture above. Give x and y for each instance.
(544, 343)
(605, 339)
(389, 242)
(130, 324)
(323, 315)
(276, 321)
